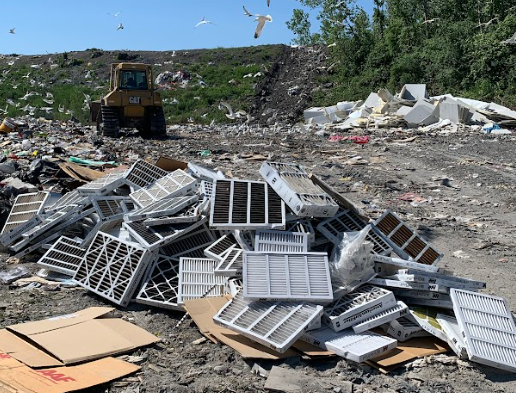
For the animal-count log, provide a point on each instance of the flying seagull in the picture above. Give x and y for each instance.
(230, 114)
(247, 13)
(120, 27)
(261, 23)
(115, 15)
(11, 31)
(204, 22)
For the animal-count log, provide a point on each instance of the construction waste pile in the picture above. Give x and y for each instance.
(278, 261)
(413, 108)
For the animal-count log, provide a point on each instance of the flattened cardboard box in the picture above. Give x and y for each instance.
(68, 339)
(409, 350)
(15, 377)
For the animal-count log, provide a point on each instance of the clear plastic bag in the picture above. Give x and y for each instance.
(10, 276)
(352, 260)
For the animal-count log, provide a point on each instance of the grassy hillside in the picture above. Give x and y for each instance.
(64, 76)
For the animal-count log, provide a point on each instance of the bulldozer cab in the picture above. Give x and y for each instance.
(131, 77)
(132, 102)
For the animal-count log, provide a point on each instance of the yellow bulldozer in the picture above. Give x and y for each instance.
(132, 102)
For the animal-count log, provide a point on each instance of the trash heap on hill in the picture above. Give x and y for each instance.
(413, 108)
(286, 257)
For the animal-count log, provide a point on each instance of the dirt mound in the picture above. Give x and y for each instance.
(287, 87)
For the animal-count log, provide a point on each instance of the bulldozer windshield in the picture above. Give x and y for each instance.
(133, 80)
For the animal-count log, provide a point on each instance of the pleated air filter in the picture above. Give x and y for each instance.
(405, 242)
(25, 207)
(101, 226)
(165, 207)
(109, 208)
(231, 264)
(65, 256)
(280, 241)
(189, 214)
(298, 191)
(103, 185)
(302, 226)
(404, 329)
(452, 331)
(410, 275)
(347, 221)
(287, 277)
(61, 216)
(357, 306)
(191, 245)
(177, 183)
(197, 279)
(70, 198)
(161, 283)
(239, 204)
(154, 237)
(217, 250)
(399, 310)
(142, 174)
(113, 268)
(276, 325)
(39, 245)
(487, 326)
(357, 347)
(384, 282)
(160, 286)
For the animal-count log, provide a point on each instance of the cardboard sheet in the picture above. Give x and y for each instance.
(80, 173)
(72, 338)
(202, 312)
(15, 377)
(170, 165)
(409, 350)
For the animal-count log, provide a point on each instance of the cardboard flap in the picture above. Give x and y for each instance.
(63, 379)
(409, 350)
(203, 310)
(170, 165)
(59, 322)
(137, 336)
(21, 350)
(90, 340)
(247, 348)
(7, 362)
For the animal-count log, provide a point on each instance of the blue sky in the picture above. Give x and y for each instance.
(67, 25)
